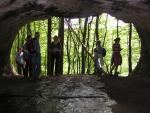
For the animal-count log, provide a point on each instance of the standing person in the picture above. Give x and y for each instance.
(116, 59)
(36, 59)
(55, 55)
(98, 57)
(28, 53)
(20, 61)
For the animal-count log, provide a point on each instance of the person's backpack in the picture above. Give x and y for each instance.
(103, 52)
(19, 58)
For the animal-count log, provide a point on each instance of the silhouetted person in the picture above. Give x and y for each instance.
(28, 53)
(20, 61)
(36, 58)
(116, 59)
(55, 49)
(98, 57)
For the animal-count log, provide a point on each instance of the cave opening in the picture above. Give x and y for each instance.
(108, 29)
(24, 12)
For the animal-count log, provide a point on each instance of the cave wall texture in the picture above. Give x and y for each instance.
(16, 13)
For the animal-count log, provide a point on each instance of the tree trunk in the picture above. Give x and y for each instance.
(88, 46)
(48, 45)
(29, 32)
(83, 50)
(130, 49)
(96, 28)
(105, 30)
(68, 49)
(61, 35)
(117, 28)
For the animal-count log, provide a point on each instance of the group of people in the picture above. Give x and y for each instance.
(28, 58)
(116, 60)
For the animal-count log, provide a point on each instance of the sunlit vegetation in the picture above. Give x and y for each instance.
(74, 31)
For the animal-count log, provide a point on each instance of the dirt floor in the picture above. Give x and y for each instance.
(131, 94)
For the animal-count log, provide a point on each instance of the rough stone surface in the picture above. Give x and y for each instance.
(15, 13)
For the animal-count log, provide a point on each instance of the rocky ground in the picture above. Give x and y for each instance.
(131, 94)
(79, 94)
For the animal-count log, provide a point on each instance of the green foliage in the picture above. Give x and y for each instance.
(107, 30)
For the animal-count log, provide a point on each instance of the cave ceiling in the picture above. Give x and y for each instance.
(135, 11)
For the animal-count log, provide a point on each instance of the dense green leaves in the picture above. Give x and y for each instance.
(73, 47)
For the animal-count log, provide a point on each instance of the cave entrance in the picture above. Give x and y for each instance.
(81, 31)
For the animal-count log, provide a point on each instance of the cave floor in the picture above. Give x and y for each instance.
(76, 94)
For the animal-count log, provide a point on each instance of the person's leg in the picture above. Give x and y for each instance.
(52, 65)
(96, 63)
(30, 68)
(26, 69)
(101, 62)
(57, 65)
(112, 68)
(95, 70)
(22, 70)
(116, 70)
(112, 64)
(19, 69)
(34, 66)
(38, 66)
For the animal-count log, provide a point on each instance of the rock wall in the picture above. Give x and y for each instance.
(15, 13)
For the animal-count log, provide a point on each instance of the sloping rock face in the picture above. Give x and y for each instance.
(16, 13)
